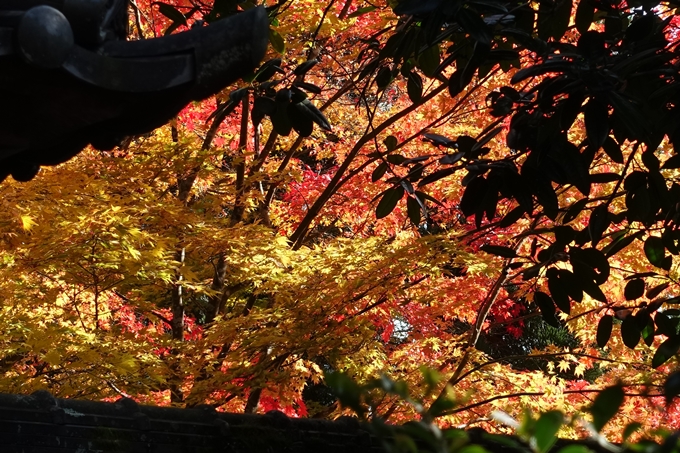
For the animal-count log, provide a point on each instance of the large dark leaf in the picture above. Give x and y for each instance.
(416, 7)
(590, 262)
(389, 201)
(413, 210)
(606, 405)
(655, 251)
(300, 119)
(630, 332)
(613, 150)
(558, 290)
(654, 292)
(473, 24)
(604, 330)
(440, 140)
(666, 350)
(512, 217)
(547, 307)
(634, 289)
(303, 68)
(379, 171)
(473, 197)
(553, 18)
(585, 11)
(598, 223)
(414, 87)
(315, 114)
(499, 250)
(596, 119)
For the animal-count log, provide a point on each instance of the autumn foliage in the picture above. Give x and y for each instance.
(340, 211)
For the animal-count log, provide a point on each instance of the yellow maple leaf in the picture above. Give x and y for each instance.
(564, 366)
(27, 222)
(53, 357)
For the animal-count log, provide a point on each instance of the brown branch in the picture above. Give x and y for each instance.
(299, 234)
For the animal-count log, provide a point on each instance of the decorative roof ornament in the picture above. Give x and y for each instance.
(69, 77)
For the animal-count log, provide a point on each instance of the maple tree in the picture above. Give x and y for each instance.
(306, 221)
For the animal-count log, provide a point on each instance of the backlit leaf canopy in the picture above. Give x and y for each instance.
(487, 189)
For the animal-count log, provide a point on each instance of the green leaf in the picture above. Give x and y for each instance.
(428, 60)
(666, 350)
(277, 41)
(604, 330)
(634, 289)
(630, 429)
(619, 244)
(655, 251)
(606, 405)
(389, 201)
(546, 428)
(346, 390)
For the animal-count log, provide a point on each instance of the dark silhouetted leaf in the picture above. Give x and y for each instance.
(604, 178)
(428, 60)
(559, 290)
(634, 289)
(499, 250)
(473, 24)
(436, 176)
(308, 87)
(553, 19)
(672, 162)
(414, 87)
(303, 68)
(585, 11)
(596, 116)
(630, 332)
(654, 292)
(547, 307)
(388, 202)
(546, 428)
(451, 159)
(277, 41)
(665, 351)
(574, 210)
(604, 330)
(606, 405)
(613, 150)
(390, 142)
(440, 140)
(413, 210)
(379, 172)
(512, 217)
(473, 196)
(655, 251)
(619, 244)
